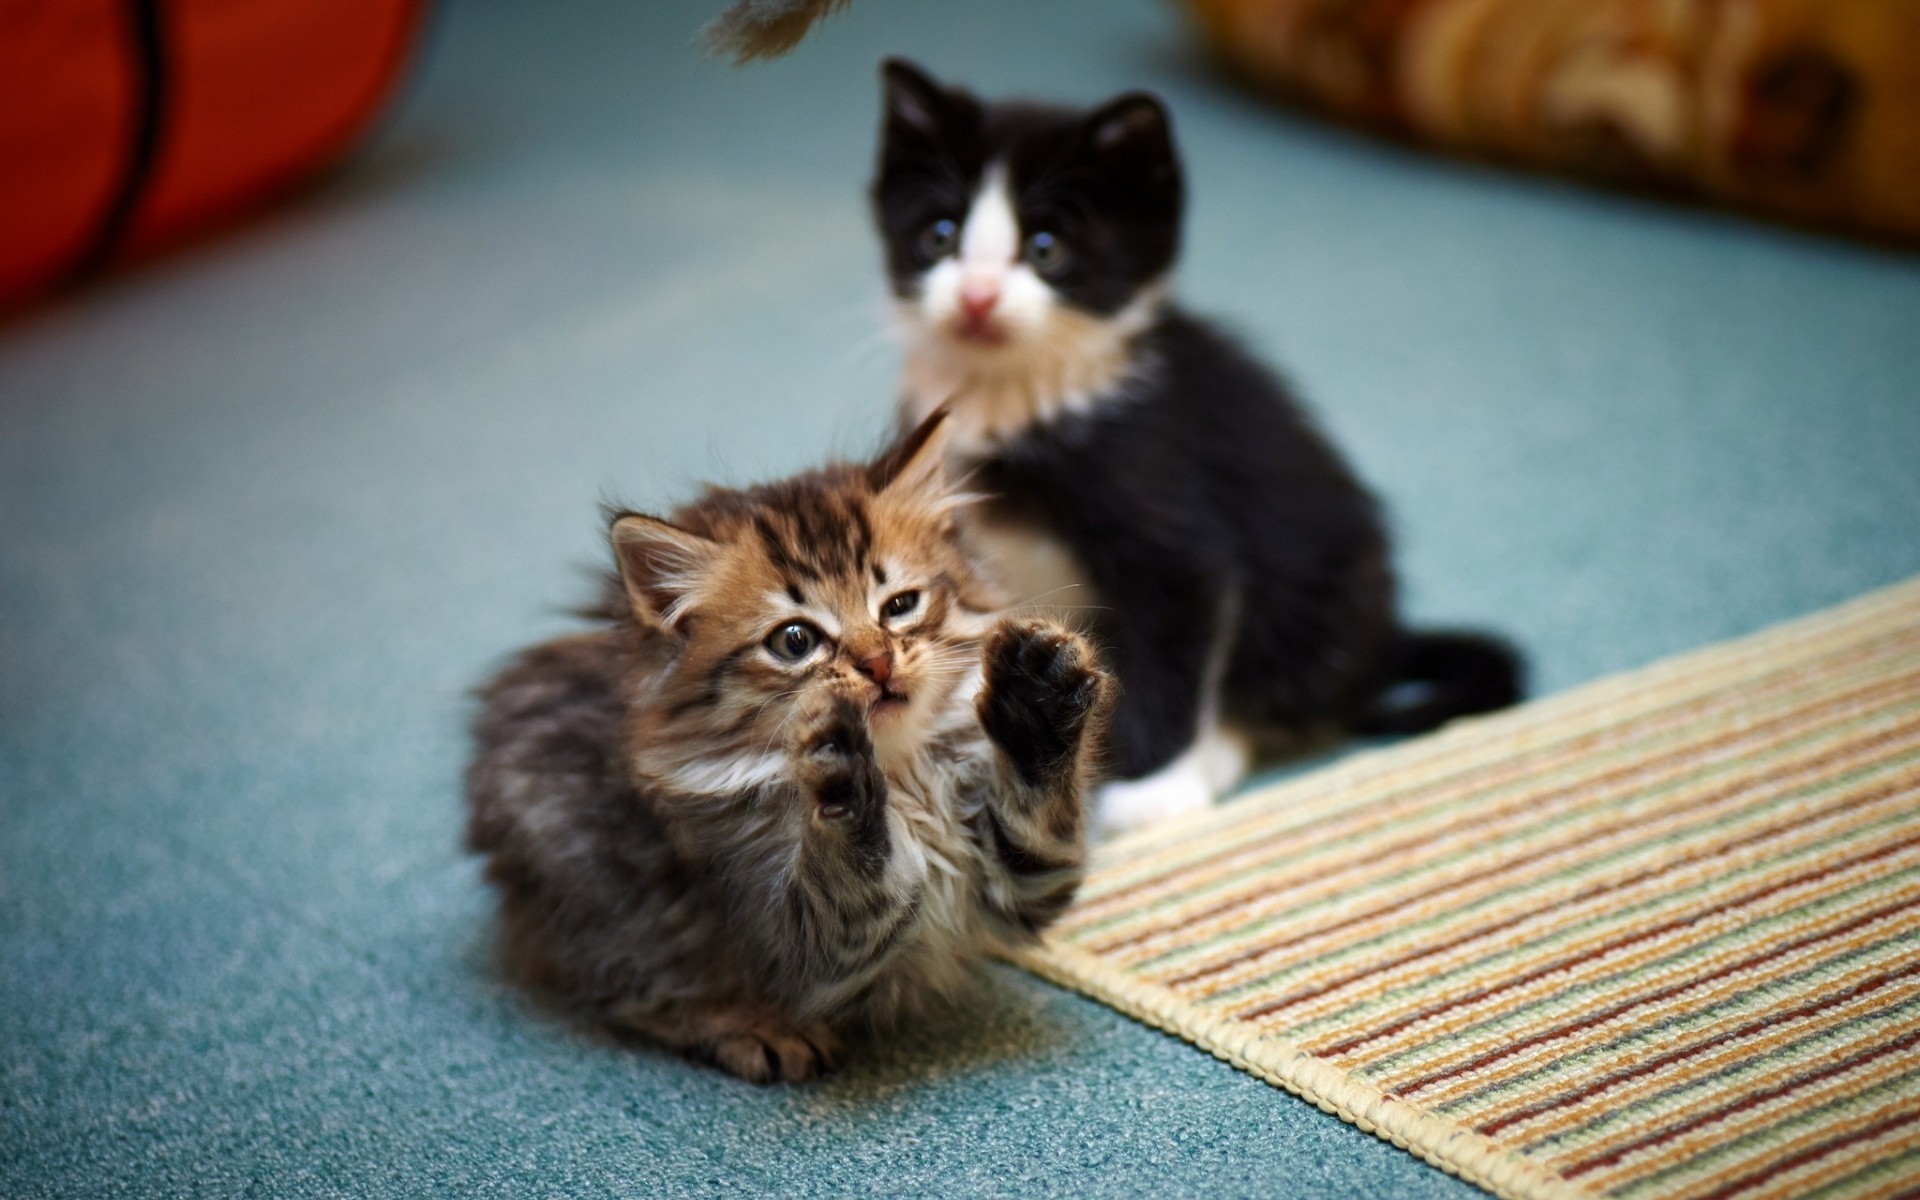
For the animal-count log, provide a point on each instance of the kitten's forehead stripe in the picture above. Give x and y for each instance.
(864, 546)
(793, 591)
(991, 236)
(831, 533)
(776, 547)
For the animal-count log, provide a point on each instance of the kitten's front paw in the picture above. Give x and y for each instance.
(1043, 686)
(844, 780)
(775, 1053)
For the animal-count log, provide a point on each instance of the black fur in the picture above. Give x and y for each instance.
(1434, 676)
(1201, 495)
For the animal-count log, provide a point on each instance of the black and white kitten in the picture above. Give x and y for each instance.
(1143, 469)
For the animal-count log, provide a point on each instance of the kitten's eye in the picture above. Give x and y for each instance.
(1046, 253)
(939, 239)
(900, 605)
(793, 641)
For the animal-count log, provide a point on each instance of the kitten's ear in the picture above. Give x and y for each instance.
(1134, 123)
(917, 463)
(913, 101)
(660, 564)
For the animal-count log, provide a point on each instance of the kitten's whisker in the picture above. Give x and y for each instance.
(1064, 607)
(790, 693)
(767, 747)
(778, 731)
(1065, 587)
(1042, 601)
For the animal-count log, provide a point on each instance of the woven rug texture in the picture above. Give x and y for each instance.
(1658, 936)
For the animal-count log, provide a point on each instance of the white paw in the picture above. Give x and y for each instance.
(1177, 788)
(1225, 754)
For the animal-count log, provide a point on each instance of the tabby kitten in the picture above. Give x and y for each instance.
(1146, 471)
(798, 778)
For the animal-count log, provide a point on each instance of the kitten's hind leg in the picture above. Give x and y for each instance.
(1226, 751)
(1184, 785)
(1213, 766)
(756, 1045)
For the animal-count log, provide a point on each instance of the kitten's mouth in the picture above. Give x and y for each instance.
(888, 703)
(983, 331)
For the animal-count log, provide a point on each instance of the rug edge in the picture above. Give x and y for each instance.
(1452, 1148)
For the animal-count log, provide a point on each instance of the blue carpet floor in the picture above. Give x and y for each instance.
(270, 505)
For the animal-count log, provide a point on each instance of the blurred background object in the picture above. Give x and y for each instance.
(126, 125)
(751, 29)
(1802, 109)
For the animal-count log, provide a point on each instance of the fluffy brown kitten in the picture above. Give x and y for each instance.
(800, 778)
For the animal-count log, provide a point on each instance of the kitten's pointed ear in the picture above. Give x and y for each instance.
(660, 564)
(1135, 123)
(910, 96)
(917, 463)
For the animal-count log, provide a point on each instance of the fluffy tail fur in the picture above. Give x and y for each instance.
(751, 29)
(1438, 676)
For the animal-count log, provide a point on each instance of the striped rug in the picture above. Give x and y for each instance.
(1659, 936)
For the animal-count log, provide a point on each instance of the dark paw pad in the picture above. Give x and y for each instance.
(848, 789)
(1042, 684)
(842, 737)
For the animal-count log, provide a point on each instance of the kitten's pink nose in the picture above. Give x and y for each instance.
(977, 298)
(878, 668)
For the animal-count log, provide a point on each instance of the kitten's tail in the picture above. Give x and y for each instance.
(1436, 676)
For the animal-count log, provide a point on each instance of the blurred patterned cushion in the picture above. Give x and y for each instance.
(1803, 109)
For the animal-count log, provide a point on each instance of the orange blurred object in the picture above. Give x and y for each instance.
(127, 124)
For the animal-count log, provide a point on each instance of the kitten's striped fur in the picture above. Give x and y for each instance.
(740, 855)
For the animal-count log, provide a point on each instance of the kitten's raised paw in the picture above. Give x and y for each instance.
(844, 780)
(1043, 683)
(840, 734)
(778, 1054)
